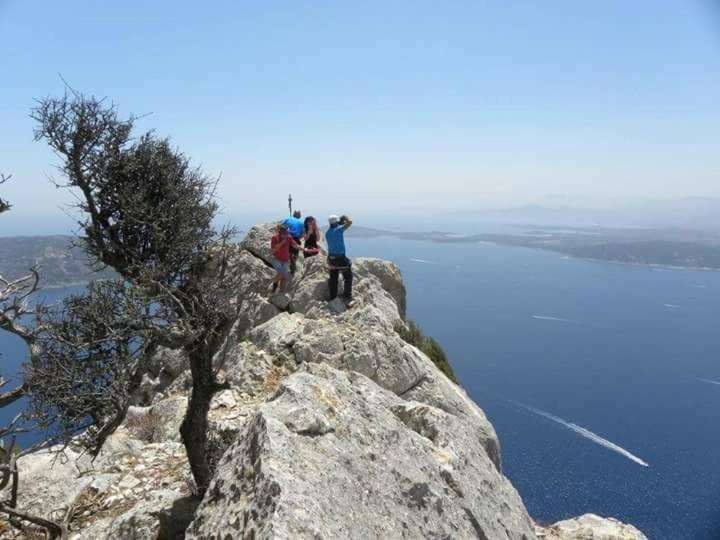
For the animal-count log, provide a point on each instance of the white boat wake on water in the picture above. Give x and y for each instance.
(549, 318)
(423, 261)
(672, 306)
(709, 381)
(594, 437)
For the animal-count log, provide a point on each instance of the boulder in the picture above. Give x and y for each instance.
(333, 455)
(309, 290)
(388, 274)
(161, 370)
(277, 334)
(280, 300)
(158, 514)
(589, 527)
(51, 481)
(158, 423)
(247, 368)
(257, 241)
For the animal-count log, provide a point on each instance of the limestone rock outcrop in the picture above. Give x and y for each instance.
(332, 427)
(333, 455)
(589, 527)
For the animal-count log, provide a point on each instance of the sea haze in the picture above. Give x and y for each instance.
(601, 379)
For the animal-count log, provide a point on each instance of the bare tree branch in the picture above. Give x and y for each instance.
(55, 530)
(148, 214)
(14, 305)
(8, 398)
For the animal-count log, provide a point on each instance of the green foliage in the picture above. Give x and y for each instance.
(411, 333)
(4, 205)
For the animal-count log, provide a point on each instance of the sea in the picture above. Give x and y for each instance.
(602, 380)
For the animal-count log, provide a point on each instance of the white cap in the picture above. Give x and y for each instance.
(333, 219)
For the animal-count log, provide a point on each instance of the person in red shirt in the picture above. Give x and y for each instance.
(280, 247)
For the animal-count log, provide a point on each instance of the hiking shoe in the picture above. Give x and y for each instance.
(348, 302)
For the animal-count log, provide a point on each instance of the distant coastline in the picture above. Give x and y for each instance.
(668, 267)
(670, 249)
(60, 262)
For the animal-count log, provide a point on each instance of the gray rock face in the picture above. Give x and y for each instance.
(159, 422)
(332, 427)
(131, 490)
(590, 527)
(257, 241)
(162, 369)
(389, 276)
(332, 455)
(160, 513)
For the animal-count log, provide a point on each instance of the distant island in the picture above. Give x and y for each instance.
(677, 248)
(61, 263)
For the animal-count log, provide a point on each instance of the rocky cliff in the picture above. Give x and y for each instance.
(333, 427)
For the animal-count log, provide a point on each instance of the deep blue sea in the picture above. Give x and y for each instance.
(627, 353)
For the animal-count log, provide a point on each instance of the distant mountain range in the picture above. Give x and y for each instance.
(701, 213)
(61, 263)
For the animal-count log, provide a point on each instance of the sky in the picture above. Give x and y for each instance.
(381, 107)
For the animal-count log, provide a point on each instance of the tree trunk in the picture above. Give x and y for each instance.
(194, 427)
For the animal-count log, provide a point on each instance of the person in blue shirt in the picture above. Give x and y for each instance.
(337, 260)
(296, 228)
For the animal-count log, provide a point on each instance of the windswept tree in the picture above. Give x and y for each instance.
(147, 213)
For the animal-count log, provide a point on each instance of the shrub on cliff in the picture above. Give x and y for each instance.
(148, 214)
(412, 333)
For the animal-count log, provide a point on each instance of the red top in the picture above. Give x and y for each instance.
(281, 247)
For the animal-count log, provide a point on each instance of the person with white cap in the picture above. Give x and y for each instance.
(337, 260)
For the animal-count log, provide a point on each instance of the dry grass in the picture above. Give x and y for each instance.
(91, 506)
(144, 426)
(272, 380)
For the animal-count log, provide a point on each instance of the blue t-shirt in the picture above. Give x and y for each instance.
(296, 226)
(336, 241)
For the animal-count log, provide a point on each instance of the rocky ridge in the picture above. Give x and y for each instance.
(333, 427)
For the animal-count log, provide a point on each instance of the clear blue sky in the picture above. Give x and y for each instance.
(371, 106)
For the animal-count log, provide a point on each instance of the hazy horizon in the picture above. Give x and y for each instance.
(405, 110)
(699, 214)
